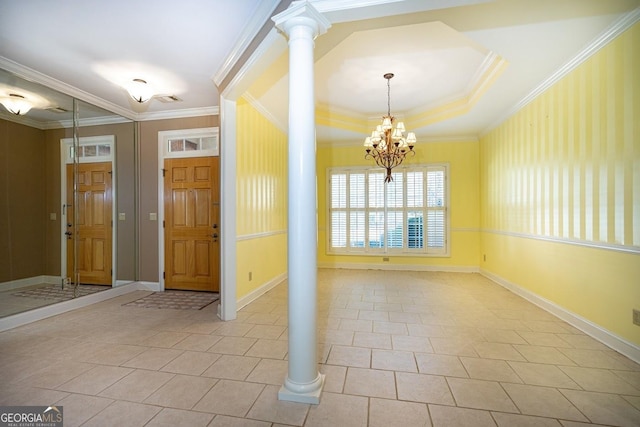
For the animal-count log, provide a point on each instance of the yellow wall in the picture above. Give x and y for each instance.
(261, 207)
(563, 173)
(465, 203)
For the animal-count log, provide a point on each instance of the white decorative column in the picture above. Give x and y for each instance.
(301, 23)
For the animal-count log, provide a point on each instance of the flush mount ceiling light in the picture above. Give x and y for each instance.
(16, 104)
(140, 90)
(387, 144)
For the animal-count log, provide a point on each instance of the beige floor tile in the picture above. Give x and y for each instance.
(272, 332)
(330, 336)
(169, 417)
(56, 374)
(334, 377)
(137, 386)
(263, 318)
(225, 421)
(269, 371)
(17, 395)
(338, 410)
(393, 360)
(489, 350)
(78, 408)
(231, 367)
(393, 328)
(372, 340)
(227, 397)
(233, 345)
(425, 330)
(123, 414)
(181, 391)
(543, 402)
(153, 358)
(386, 413)
(370, 382)
(539, 354)
(191, 363)
(440, 364)
(269, 349)
(233, 329)
(542, 374)
(404, 317)
(544, 339)
(592, 379)
(454, 346)
(356, 325)
(268, 408)
(479, 394)
(514, 420)
(490, 369)
(114, 354)
(349, 356)
(503, 336)
(604, 408)
(380, 316)
(583, 342)
(95, 380)
(423, 388)
(165, 339)
(411, 343)
(447, 416)
(594, 358)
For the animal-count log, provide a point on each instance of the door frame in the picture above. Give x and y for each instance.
(163, 152)
(67, 158)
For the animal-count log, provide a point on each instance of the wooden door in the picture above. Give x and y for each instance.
(93, 230)
(191, 234)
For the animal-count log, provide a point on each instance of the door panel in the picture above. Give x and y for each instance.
(191, 198)
(94, 223)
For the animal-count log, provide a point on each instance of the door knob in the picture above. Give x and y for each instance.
(214, 235)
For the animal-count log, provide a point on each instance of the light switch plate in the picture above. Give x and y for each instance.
(122, 216)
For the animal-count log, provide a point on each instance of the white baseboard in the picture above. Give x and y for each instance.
(266, 287)
(403, 267)
(150, 286)
(19, 319)
(606, 337)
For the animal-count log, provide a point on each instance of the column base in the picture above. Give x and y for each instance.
(312, 396)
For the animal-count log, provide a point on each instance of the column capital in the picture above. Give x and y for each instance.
(301, 13)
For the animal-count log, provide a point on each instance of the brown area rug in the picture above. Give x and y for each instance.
(176, 300)
(56, 293)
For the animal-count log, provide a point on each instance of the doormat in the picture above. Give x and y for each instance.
(176, 300)
(56, 293)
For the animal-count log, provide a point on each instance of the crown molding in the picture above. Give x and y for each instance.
(618, 27)
(432, 139)
(255, 24)
(178, 114)
(266, 113)
(38, 77)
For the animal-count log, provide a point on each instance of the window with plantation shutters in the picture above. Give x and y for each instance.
(407, 216)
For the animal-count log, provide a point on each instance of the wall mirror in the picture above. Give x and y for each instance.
(67, 197)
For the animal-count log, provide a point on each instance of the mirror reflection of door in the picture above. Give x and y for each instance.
(192, 210)
(93, 227)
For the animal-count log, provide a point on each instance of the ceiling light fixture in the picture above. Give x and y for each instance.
(387, 145)
(140, 90)
(16, 104)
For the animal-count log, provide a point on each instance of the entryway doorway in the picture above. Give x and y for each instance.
(189, 207)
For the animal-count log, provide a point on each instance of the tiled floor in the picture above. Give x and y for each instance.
(397, 349)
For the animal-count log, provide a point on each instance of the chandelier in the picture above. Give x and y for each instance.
(387, 144)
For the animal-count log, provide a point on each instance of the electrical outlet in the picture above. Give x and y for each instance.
(636, 317)
(484, 257)
(385, 259)
(250, 276)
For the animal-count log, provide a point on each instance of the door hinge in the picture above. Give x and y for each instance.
(163, 223)
(164, 171)
(164, 275)
(111, 272)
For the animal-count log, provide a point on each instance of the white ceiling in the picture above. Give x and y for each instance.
(483, 56)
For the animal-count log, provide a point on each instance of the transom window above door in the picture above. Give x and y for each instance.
(200, 142)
